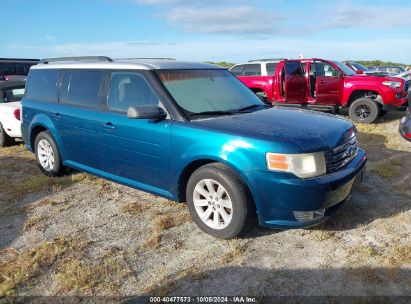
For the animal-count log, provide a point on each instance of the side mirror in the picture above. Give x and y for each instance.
(146, 112)
(359, 72)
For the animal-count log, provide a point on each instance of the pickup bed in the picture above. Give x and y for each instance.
(329, 85)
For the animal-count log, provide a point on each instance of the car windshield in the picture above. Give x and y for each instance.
(346, 70)
(208, 92)
(359, 66)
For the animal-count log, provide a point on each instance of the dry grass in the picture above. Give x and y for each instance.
(13, 150)
(164, 222)
(152, 242)
(387, 168)
(35, 221)
(132, 208)
(77, 276)
(22, 267)
(235, 255)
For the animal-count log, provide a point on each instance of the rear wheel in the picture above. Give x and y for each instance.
(364, 110)
(5, 140)
(218, 201)
(47, 155)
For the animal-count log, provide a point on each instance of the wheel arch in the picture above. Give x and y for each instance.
(363, 93)
(192, 166)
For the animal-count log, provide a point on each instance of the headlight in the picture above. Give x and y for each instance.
(302, 165)
(392, 84)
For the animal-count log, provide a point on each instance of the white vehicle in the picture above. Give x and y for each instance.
(11, 92)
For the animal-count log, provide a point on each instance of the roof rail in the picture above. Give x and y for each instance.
(267, 59)
(80, 58)
(146, 58)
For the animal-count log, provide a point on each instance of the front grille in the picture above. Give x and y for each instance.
(340, 156)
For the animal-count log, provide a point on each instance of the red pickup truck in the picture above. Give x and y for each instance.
(326, 85)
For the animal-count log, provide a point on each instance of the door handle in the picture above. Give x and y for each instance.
(57, 116)
(108, 125)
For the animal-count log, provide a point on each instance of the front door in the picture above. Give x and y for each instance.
(135, 151)
(328, 84)
(295, 82)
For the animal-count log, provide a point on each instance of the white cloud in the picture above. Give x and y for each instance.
(239, 20)
(371, 17)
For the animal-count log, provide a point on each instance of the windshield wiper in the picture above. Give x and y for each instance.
(211, 113)
(252, 107)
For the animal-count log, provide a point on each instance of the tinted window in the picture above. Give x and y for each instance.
(129, 90)
(15, 68)
(252, 70)
(237, 70)
(271, 68)
(41, 85)
(12, 95)
(293, 68)
(85, 88)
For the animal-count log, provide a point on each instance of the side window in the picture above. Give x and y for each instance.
(325, 70)
(130, 90)
(252, 70)
(271, 68)
(85, 88)
(42, 85)
(13, 95)
(293, 68)
(237, 70)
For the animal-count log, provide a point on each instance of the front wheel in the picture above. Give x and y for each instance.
(47, 155)
(364, 110)
(218, 201)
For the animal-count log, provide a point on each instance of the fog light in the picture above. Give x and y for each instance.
(305, 216)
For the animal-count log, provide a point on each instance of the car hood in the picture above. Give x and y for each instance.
(298, 130)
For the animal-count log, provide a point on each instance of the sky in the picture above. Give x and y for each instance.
(208, 30)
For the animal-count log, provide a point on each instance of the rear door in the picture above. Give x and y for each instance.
(76, 116)
(295, 83)
(328, 83)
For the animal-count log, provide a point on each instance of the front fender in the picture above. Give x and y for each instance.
(349, 89)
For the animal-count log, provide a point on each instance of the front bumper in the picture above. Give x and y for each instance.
(278, 197)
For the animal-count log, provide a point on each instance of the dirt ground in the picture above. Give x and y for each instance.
(80, 235)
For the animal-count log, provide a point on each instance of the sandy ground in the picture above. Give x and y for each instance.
(80, 235)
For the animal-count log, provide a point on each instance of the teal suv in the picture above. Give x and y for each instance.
(192, 133)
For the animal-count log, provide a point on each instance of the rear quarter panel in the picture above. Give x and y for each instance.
(259, 82)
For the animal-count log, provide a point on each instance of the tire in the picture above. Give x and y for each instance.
(5, 140)
(364, 110)
(228, 190)
(47, 155)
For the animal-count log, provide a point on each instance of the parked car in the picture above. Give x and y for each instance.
(390, 70)
(360, 69)
(406, 75)
(191, 132)
(14, 69)
(405, 124)
(260, 67)
(11, 92)
(329, 85)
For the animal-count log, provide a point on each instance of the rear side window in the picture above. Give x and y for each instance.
(237, 70)
(13, 95)
(85, 88)
(252, 70)
(271, 68)
(42, 85)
